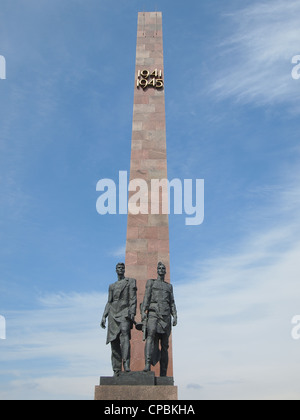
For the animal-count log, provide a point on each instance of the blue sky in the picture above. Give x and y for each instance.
(232, 114)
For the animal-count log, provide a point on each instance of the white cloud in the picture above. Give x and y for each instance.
(235, 315)
(56, 351)
(254, 62)
(236, 326)
(119, 252)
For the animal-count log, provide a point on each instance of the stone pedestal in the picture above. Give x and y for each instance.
(136, 386)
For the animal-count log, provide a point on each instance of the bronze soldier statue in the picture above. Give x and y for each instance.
(120, 310)
(157, 308)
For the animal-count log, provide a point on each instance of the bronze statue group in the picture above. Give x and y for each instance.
(157, 310)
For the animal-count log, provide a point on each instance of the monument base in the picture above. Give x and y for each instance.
(136, 386)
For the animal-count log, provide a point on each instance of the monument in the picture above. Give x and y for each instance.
(120, 310)
(157, 309)
(147, 242)
(148, 234)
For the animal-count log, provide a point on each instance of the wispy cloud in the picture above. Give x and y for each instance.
(236, 313)
(255, 59)
(119, 252)
(56, 351)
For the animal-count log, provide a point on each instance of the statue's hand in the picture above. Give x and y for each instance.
(144, 316)
(174, 321)
(103, 322)
(130, 317)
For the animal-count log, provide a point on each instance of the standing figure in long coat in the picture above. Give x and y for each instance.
(120, 310)
(158, 308)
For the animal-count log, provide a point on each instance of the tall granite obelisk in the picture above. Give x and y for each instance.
(148, 234)
(147, 230)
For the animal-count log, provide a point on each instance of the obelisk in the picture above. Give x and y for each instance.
(148, 234)
(147, 231)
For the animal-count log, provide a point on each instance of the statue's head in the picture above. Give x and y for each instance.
(161, 269)
(120, 268)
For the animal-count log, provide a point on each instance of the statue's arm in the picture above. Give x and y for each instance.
(132, 298)
(147, 296)
(173, 307)
(107, 306)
